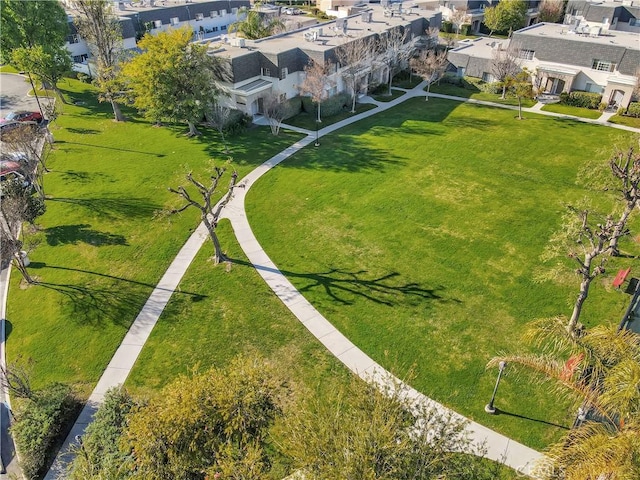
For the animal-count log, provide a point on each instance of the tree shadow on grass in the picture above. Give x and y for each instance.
(74, 234)
(523, 417)
(65, 142)
(83, 131)
(342, 286)
(117, 303)
(85, 177)
(113, 208)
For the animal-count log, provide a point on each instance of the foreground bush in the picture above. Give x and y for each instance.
(41, 423)
(581, 99)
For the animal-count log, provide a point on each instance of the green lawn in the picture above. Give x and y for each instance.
(624, 120)
(385, 97)
(308, 120)
(418, 234)
(103, 245)
(471, 90)
(575, 111)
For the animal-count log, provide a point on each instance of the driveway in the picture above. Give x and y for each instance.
(13, 94)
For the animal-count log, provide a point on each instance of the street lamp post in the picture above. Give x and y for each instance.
(489, 408)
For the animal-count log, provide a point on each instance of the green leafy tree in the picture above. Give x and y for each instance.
(505, 16)
(208, 423)
(256, 25)
(519, 86)
(598, 369)
(30, 24)
(100, 28)
(48, 65)
(173, 78)
(366, 433)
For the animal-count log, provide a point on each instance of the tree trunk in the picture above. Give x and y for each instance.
(22, 269)
(619, 228)
(318, 109)
(426, 97)
(355, 93)
(577, 308)
(218, 256)
(519, 108)
(60, 95)
(193, 131)
(504, 92)
(117, 113)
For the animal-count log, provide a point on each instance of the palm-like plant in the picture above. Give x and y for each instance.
(599, 369)
(255, 25)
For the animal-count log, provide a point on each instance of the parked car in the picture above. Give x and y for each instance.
(23, 116)
(12, 171)
(20, 157)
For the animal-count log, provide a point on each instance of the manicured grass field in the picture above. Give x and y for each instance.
(569, 110)
(103, 245)
(418, 233)
(308, 120)
(624, 120)
(472, 91)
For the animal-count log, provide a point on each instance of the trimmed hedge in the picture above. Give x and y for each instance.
(238, 122)
(41, 423)
(581, 99)
(292, 107)
(446, 27)
(465, 29)
(633, 110)
(330, 106)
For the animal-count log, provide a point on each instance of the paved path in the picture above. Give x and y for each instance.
(499, 447)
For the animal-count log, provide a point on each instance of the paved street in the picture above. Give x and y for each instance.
(13, 94)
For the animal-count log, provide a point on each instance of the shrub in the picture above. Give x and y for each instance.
(446, 27)
(102, 456)
(465, 29)
(40, 423)
(334, 105)
(308, 105)
(83, 77)
(378, 89)
(292, 107)
(493, 87)
(237, 123)
(581, 99)
(602, 106)
(634, 110)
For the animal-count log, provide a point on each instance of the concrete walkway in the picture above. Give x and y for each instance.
(499, 447)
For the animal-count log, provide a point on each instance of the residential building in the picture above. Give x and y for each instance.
(475, 10)
(275, 65)
(621, 15)
(562, 60)
(208, 19)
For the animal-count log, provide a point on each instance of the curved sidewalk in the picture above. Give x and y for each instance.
(499, 447)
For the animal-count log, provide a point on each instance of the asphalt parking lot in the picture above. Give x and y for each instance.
(13, 94)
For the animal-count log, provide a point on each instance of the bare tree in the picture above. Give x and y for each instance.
(209, 217)
(625, 168)
(18, 206)
(430, 65)
(32, 151)
(459, 17)
(274, 111)
(15, 378)
(550, 11)
(506, 63)
(100, 28)
(316, 83)
(355, 58)
(394, 51)
(218, 117)
(585, 244)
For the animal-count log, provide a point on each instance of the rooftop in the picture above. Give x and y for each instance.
(325, 36)
(566, 32)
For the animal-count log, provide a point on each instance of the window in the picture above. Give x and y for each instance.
(487, 77)
(175, 20)
(214, 29)
(234, 10)
(223, 12)
(526, 54)
(73, 38)
(603, 66)
(593, 88)
(283, 73)
(214, 13)
(633, 22)
(79, 58)
(223, 27)
(157, 23)
(265, 72)
(199, 16)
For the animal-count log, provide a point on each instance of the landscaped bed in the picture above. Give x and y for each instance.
(418, 233)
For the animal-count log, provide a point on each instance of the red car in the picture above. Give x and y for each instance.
(23, 116)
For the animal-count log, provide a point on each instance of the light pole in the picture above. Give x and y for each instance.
(489, 408)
